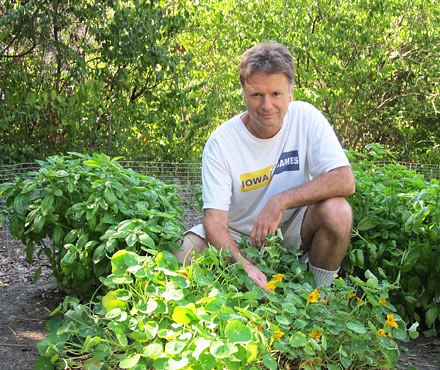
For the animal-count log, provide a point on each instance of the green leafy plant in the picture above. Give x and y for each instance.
(77, 210)
(160, 315)
(396, 234)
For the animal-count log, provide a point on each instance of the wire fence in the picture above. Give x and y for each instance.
(186, 175)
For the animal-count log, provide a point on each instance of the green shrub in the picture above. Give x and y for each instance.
(158, 314)
(397, 234)
(77, 210)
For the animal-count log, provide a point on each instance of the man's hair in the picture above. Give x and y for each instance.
(267, 58)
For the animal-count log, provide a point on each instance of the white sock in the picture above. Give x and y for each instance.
(322, 276)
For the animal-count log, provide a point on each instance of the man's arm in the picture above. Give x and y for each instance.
(335, 183)
(217, 233)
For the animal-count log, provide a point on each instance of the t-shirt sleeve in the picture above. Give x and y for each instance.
(216, 178)
(324, 152)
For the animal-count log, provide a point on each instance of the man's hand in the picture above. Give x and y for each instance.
(266, 222)
(255, 274)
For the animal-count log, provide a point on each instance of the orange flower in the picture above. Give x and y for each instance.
(184, 274)
(279, 277)
(359, 301)
(351, 295)
(278, 335)
(271, 284)
(383, 301)
(390, 321)
(259, 327)
(382, 333)
(315, 334)
(323, 302)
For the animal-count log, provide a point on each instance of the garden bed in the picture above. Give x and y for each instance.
(25, 308)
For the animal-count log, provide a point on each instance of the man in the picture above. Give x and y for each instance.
(279, 164)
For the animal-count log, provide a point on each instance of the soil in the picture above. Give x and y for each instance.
(25, 308)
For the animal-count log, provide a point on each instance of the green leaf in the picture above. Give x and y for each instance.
(201, 344)
(298, 339)
(129, 361)
(174, 364)
(185, 314)
(102, 351)
(220, 349)
(39, 222)
(270, 362)
(58, 236)
(236, 332)
(412, 331)
(357, 327)
(175, 347)
(146, 240)
(123, 294)
(37, 274)
(431, 315)
(367, 223)
(392, 355)
(153, 350)
(21, 203)
(43, 363)
(151, 328)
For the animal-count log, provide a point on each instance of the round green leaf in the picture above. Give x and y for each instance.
(185, 314)
(270, 362)
(298, 339)
(153, 350)
(175, 347)
(236, 332)
(123, 294)
(129, 361)
(221, 349)
(43, 363)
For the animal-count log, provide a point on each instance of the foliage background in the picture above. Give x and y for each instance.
(151, 79)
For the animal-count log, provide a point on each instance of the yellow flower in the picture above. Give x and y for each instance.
(359, 301)
(315, 334)
(279, 277)
(317, 294)
(278, 335)
(382, 333)
(383, 302)
(271, 284)
(351, 295)
(312, 297)
(390, 321)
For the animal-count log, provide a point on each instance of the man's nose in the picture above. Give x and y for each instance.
(267, 103)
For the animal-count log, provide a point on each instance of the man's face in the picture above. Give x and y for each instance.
(267, 98)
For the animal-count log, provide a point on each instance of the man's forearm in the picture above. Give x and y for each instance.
(221, 239)
(336, 183)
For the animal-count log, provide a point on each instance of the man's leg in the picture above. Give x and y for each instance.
(325, 235)
(191, 243)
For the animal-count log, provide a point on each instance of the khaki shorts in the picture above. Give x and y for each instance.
(291, 229)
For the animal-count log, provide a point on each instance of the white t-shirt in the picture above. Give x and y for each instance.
(241, 172)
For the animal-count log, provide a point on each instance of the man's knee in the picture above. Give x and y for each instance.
(191, 243)
(335, 214)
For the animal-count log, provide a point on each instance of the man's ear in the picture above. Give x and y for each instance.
(291, 93)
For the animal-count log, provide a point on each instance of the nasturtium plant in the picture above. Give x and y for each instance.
(76, 211)
(158, 314)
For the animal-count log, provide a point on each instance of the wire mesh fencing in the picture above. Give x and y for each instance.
(186, 175)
